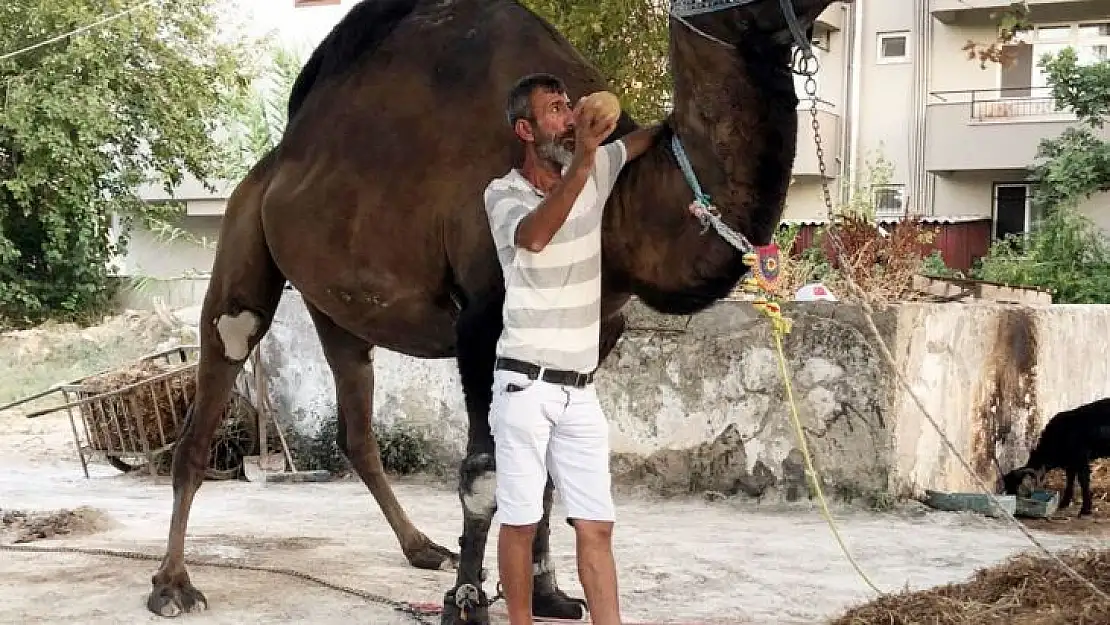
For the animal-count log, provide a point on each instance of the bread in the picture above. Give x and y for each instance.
(602, 104)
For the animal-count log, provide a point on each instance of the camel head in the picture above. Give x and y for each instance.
(734, 125)
(781, 21)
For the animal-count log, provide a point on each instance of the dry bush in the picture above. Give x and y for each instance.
(882, 265)
(1024, 590)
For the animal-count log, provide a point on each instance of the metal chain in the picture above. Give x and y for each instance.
(399, 606)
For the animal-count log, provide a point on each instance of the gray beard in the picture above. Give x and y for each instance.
(552, 151)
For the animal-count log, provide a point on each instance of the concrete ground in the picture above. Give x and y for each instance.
(684, 561)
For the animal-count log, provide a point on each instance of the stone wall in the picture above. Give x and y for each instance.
(698, 403)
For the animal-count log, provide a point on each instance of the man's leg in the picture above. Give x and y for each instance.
(578, 458)
(521, 433)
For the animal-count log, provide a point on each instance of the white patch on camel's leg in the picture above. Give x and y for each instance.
(236, 332)
(481, 500)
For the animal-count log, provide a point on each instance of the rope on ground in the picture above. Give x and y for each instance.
(400, 606)
(80, 30)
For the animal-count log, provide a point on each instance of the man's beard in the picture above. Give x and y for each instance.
(558, 150)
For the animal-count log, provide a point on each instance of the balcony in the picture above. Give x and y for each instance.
(990, 129)
(952, 11)
(805, 162)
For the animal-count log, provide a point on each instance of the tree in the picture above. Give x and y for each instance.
(258, 117)
(626, 40)
(86, 120)
(1066, 251)
(1076, 164)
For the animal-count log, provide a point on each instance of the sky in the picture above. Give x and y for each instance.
(299, 28)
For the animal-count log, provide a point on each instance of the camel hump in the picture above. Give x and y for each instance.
(360, 32)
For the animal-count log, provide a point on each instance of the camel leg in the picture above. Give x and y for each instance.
(478, 329)
(352, 367)
(242, 296)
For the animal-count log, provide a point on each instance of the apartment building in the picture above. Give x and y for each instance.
(959, 139)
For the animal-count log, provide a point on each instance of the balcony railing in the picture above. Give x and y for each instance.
(1008, 104)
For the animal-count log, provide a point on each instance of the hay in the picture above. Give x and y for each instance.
(1100, 482)
(1024, 590)
(114, 421)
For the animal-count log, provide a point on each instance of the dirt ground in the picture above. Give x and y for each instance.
(680, 561)
(687, 561)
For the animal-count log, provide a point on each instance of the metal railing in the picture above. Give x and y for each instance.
(1006, 103)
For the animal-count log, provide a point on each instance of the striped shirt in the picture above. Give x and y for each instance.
(552, 312)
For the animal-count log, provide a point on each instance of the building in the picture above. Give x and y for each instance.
(958, 138)
(894, 87)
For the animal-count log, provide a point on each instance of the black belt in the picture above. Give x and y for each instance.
(554, 376)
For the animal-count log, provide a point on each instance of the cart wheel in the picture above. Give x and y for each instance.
(120, 464)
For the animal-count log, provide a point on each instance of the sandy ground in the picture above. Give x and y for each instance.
(680, 561)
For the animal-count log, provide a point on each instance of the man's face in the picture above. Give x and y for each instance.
(553, 129)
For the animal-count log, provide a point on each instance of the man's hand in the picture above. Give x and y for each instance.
(590, 129)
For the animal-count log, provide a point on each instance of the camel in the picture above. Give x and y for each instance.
(371, 207)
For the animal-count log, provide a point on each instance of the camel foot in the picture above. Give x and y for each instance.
(548, 601)
(430, 556)
(175, 597)
(465, 605)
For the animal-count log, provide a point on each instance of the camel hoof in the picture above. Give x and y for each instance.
(548, 601)
(174, 599)
(430, 556)
(475, 610)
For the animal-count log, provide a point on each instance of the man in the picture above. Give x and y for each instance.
(545, 416)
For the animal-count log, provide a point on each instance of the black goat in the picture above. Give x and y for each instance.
(1070, 440)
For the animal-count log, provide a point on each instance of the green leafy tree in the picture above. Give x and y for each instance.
(626, 40)
(1076, 164)
(258, 116)
(87, 119)
(1066, 251)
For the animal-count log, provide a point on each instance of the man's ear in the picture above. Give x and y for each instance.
(523, 130)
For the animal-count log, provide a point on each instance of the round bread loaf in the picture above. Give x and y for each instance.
(604, 105)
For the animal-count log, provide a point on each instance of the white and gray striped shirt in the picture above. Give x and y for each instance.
(552, 311)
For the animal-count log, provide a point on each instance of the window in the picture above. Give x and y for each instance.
(894, 47)
(1012, 209)
(1090, 40)
(889, 200)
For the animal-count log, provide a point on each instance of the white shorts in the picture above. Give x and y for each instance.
(546, 428)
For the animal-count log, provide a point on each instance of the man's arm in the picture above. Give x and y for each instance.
(638, 141)
(537, 229)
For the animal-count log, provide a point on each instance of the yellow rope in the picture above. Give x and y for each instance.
(780, 327)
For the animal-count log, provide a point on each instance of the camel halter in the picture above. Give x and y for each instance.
(702, 208)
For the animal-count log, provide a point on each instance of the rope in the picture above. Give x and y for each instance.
(780, 327)
(80, 30)
(400, 606)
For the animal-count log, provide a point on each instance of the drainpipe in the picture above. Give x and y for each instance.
(918, 178)
(851, 112)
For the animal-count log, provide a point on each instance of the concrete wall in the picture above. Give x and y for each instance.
(697, 403)
(168, 255)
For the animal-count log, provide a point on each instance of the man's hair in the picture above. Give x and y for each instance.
(519, 105)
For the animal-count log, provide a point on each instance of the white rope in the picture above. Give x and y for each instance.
(78, 31)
